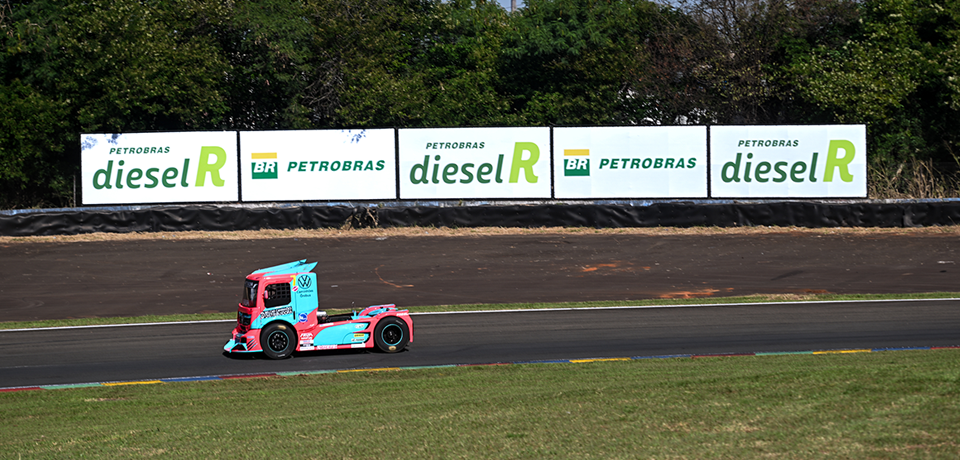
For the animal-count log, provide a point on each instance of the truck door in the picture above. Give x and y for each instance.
(305, 299)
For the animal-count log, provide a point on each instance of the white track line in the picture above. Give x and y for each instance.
(626, 307)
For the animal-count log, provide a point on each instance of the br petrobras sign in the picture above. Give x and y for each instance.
(318, 165)
(454, 163)
(788, 161)
(186, 167)
(630, 162)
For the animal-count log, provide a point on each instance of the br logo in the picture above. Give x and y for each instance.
(264, 169)
(576, 162)
(303, 281)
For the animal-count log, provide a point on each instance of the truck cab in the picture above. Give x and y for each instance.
(279, 314)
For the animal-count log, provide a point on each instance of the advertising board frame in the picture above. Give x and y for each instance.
(515, 151)
(157, 167)
(796, 141)
(643, 150)
(321, 165)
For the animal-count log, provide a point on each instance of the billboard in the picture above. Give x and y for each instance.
(318, 165)
(788, 161)
(471, 163)
(179, 167)
(630, 162)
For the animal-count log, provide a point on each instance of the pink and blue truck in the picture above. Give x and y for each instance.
(279, 314)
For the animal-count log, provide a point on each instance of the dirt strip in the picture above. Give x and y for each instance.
(100, 275)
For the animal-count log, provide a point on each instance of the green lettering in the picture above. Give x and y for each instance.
(797, 170)
(119, 174)
(781, 174)
(134, 175)
(813, 167)
(422, 169)
(466, 172)
(526, 165)
(449, 170)
(186, 167)
(735, 165)
(763, 167)
(213, 169)
(152, 175)
(746, 169)
(483, 171)
(841, 163)
(168, 175)
(105, 173)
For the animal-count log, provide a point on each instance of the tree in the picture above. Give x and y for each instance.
(900, 74)
(362, 50)
(723, 61)
(572, 61)
(458, 70)
(266, 46)
(98, 66)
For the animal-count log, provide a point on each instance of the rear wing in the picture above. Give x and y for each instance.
(292, 268)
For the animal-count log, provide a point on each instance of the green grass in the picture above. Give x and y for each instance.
(895, 404)
(477, 307)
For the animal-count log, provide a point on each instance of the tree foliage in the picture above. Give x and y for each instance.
(71, 66)
(899, 73)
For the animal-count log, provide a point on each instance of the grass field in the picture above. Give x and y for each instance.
(891, 404)
(894, 404)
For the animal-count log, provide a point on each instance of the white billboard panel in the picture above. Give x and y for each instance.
(630, 162)
(788, 161)
(471, 163)
(180, 167)
(318, 165)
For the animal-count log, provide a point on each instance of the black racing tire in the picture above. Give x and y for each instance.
(278, 341)
(391, 335)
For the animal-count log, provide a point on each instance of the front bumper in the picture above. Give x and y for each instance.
(242, 343)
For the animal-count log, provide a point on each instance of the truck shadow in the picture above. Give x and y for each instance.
(306, 354)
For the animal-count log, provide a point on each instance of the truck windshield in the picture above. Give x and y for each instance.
(249, 298)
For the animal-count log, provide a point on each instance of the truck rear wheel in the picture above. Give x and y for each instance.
(391, 335)
(278, 341)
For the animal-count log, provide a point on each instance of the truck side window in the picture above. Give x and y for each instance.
(277, 294)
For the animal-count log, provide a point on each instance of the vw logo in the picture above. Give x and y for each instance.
(303, 281)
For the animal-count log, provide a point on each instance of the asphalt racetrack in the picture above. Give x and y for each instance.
(192, 350)
(51, 280)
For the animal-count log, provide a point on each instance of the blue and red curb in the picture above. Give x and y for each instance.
(439, 366)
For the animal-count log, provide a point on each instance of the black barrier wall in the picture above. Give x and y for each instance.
(665, 214)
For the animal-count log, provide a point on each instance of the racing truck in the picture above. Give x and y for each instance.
(279, 314)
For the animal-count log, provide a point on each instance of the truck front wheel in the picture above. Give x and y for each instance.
(391, 335)
(278, 341)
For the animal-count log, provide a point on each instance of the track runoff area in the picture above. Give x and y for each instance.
(546, 361)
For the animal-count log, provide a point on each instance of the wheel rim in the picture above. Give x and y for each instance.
(278, 341)
(392, 334)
